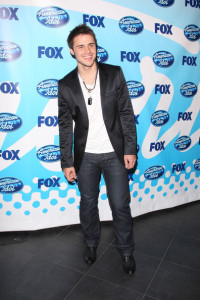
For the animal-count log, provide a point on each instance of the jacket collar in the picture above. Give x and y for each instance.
(102, 75)
(76, 87)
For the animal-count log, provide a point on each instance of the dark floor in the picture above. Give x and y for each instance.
(47, 264)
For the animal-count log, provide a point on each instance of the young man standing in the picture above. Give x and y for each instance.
(96, 98)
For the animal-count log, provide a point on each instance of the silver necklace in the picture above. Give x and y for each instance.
(90, 90)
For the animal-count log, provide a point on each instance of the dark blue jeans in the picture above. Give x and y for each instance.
(116, 179)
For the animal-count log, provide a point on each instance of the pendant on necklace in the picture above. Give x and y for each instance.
(89, 101)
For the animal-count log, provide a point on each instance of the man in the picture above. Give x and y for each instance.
(96, 98)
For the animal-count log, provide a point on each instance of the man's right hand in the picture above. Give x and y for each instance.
(70, 174)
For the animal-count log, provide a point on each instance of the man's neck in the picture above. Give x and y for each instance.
(88, 74)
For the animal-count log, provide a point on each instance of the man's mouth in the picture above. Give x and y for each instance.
(88, 57)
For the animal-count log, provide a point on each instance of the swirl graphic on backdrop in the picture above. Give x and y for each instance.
(102, 54)
(159, 118)
(163, 59)
(9, 122)
(182, 143)
(10, 185)
(164, 3)
(136, 89)
(9, 51)
(188, 89)
(48, 88)
(49, 153)
(131, 25)
(52, 16)
(154, 172)
(197, 164)
(192, 32)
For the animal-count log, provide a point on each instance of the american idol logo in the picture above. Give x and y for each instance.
(154, 172)
(164, 3)
(48, 88)
(182, 143)
(9, 51)
(159, 118)
(192, 32)
(9, 122)
(10, 185)
(52, 16)
(135, 89)
(188, 89)
(102, 54)
(131, 25)
(50, 153)
(163, 59)
(197, 164)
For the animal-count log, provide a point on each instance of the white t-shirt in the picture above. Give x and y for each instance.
(98, 140)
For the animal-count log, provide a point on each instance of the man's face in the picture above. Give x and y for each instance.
(84, 50)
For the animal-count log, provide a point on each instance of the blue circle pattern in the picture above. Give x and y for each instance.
(26, 197)
(45, 210)
(36, 204)
(53, 202)
(71, 200)
(135, 194)
(104, 197)
(78, 192)
(7, 197)
(17, 205)
(154, 182)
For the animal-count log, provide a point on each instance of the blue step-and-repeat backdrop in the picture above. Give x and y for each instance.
(156, 42)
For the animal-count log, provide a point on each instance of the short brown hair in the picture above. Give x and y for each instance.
(81, 29)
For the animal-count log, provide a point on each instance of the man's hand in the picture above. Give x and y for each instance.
(70, 174)
(130, 161)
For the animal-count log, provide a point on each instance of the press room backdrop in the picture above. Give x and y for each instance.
(156, 43)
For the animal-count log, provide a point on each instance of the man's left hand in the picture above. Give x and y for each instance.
(130, 161)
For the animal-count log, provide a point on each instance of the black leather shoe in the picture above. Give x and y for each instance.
(90, 254)
(128, 263)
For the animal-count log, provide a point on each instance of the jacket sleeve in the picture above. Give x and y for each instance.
(65, 129)
(126, 116)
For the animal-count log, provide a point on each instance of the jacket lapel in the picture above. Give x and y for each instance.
(77, 92)
(103, 83)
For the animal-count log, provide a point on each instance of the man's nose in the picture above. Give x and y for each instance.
(87, 49)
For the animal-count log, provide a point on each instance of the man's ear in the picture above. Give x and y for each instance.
(72, 52)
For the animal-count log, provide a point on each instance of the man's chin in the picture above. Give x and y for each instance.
(89, 64)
